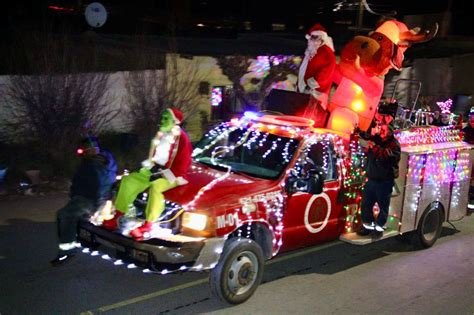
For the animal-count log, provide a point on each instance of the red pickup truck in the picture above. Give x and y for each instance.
(263, 185)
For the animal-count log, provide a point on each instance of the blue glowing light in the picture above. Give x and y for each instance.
(250, 115)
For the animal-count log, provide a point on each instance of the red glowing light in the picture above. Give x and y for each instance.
(56, 8)
(80, 151)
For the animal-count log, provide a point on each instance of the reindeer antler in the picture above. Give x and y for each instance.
(414, 35)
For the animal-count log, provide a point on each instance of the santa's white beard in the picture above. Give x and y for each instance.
(311, 50)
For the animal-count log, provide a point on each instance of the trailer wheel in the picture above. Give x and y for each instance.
(239, 271)
(429, 227)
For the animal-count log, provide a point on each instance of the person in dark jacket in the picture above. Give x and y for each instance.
(468, 136)
(90, 188)
(468, 131)
(383, 156)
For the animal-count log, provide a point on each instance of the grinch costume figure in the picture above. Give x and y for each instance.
(168, 161)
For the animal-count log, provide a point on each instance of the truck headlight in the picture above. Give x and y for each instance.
(195, 221)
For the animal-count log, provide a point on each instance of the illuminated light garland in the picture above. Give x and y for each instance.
(416, 171)
(255, 131)
(249, 225)
(255, 136)
(220, 132)
(274, 207)
(252, 140)
(285, 151)
(263, 140)
(445, 106)
(190, 205)
(323, 139)
(215, 152)
(353, 178)
(289, 126)
(200, 170)
(437, 169)
(120, 262)
(216, 96)
(272, 148)
(352, 172)
(428, 135)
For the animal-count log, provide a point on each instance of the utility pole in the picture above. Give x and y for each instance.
(360, 18)
(359, 25)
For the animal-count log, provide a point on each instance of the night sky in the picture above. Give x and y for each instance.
(152, 16)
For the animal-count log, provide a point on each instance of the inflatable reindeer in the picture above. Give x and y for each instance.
(359, 74)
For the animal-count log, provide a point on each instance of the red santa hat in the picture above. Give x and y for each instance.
(316, 27)
(177, 115)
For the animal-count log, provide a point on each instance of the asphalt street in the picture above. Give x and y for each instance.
(387, 277)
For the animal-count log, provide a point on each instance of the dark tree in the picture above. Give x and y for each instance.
(51, 105)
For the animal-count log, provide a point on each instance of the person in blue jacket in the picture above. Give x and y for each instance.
(90, 189)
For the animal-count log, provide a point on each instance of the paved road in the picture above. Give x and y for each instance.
(338, 278)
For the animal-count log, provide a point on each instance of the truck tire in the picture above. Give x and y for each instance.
(239, 271)
(429, 227)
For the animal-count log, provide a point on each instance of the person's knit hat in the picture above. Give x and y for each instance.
(89, 142)
(177, 115)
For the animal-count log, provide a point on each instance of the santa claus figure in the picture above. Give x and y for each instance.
(315, 73)
(168, 161)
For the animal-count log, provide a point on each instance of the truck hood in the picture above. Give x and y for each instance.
(222, 189)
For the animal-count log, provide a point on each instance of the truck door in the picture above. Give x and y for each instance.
(313, 218)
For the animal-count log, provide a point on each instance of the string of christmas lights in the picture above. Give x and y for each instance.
(428, 135)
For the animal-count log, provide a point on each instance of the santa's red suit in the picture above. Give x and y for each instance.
(315, 73)
(167, 147)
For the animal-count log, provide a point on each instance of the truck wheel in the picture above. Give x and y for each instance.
(239, 271)
(429, 227)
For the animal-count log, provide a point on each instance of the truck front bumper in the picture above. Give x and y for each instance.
(176, 252)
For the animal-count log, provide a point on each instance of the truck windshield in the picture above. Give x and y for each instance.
(255, 153)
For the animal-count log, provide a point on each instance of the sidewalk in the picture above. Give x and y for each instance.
(33, 208)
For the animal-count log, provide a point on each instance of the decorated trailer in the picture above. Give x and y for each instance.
(261, 185)
(433, 185)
